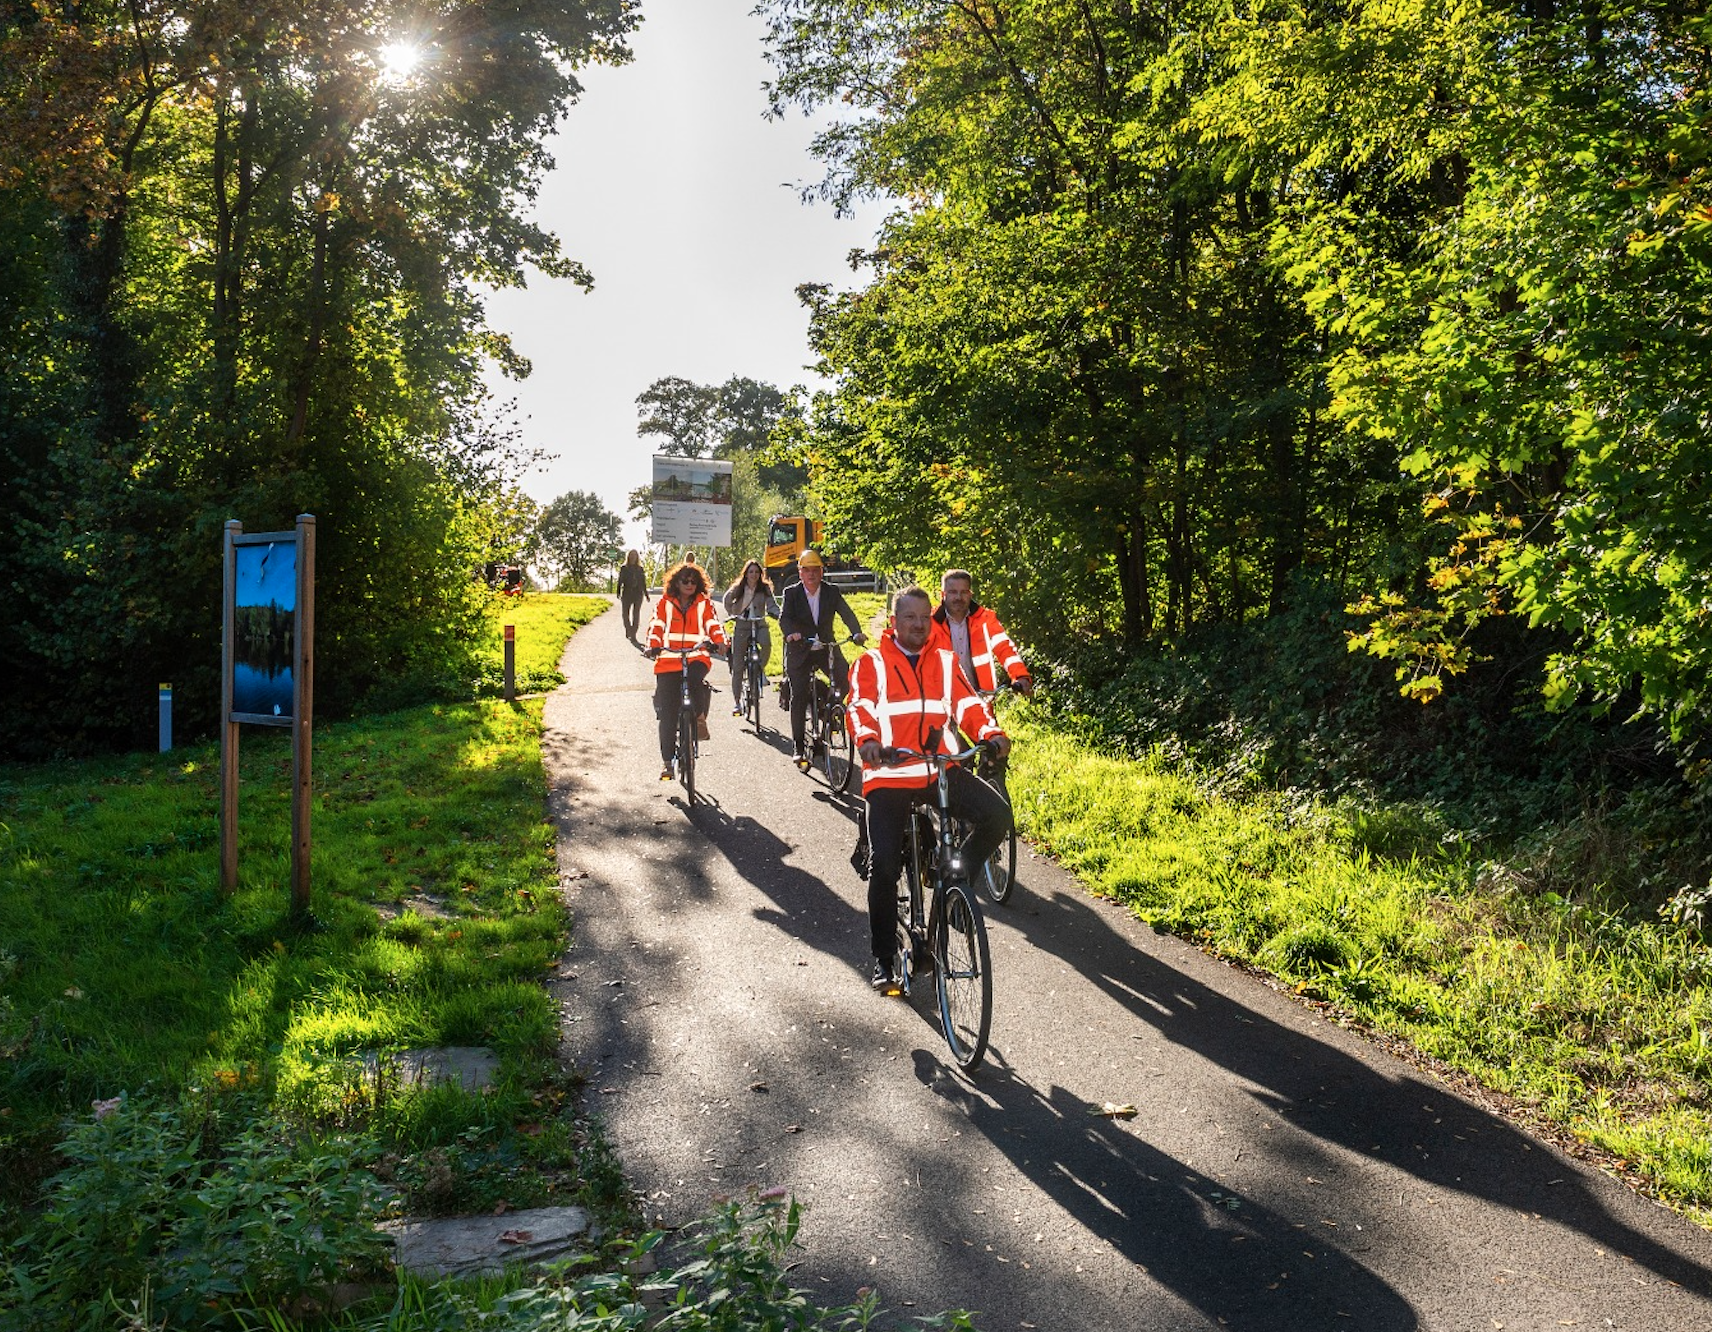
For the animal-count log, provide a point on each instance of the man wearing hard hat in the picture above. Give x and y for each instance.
(810, 611)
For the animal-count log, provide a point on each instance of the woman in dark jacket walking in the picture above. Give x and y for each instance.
(632, 592)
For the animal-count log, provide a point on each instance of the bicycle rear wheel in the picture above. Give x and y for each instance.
(999, 873)
(964, 976)
(835, 755)
(687, 750)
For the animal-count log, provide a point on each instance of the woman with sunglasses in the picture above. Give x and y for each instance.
(684, 619)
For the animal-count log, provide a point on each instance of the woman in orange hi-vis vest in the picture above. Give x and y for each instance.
(905, 694)
(685, 618)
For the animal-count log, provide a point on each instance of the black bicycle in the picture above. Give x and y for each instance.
(828, 735)
(951, 938)
(684, 760)
(751, 681)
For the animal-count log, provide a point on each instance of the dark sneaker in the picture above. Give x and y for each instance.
(666, 773)
(882, 978)
(799, 756)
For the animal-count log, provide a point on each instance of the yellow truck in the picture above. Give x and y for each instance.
(788, 536)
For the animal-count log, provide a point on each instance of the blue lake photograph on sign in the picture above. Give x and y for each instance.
(264, 629)
(257, 690)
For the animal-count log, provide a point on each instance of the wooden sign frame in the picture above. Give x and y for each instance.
(301, 721)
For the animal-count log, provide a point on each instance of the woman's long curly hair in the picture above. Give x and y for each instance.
(689, 567)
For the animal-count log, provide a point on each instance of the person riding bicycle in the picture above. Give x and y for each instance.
(807, 612)
(684, 619)
(905, 694)
(983, 648)
(749, 601)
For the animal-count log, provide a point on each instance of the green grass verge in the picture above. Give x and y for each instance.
(1601, 1026)
(192, 1133)
(543, 621)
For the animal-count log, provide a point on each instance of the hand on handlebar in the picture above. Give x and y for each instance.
(650, 653)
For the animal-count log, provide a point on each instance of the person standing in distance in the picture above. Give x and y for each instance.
(906, 694)
(808, 611)
(632, 592)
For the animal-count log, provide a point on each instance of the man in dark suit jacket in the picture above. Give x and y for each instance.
(808, 611)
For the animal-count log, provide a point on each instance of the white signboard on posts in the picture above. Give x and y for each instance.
(692, 501)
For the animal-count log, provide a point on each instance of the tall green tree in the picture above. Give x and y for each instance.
(256, 247)
(577, 539)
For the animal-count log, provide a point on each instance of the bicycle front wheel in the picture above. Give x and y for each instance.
(964, 975)
(836, 752)
(686, 750)
(753, 699)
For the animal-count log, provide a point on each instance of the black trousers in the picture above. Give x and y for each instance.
(668, 699)
(799, 669)
(889, 807)
(632, 608)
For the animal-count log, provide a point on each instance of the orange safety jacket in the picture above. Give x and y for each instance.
(989, 645)
(673, 628)
(899, 705)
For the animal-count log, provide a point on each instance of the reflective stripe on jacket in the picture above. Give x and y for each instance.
(988, 644)
(899, 705)
(673, 628)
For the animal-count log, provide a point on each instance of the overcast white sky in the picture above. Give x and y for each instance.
(682, 200)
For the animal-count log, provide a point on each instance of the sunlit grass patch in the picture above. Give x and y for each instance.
(542, 621)
(1601, 1024)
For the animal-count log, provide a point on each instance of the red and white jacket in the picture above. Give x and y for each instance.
(989, 645)
(673, 628)
(899, 705)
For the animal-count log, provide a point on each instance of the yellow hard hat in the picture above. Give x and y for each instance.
(810, 560)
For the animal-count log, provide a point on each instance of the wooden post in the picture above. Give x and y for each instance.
(228, 727)
(303, 677)
(510, 663)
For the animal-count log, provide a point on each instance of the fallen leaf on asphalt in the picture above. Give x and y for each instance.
(757, 1086)
(500, 1206)
(516, 1236)
(609, 1091)
(793, 1128)
(1112, 1110)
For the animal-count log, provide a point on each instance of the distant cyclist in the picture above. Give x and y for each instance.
(983, 648)
(905, 694)
(684, 619)
(809, 611)
(749, 601)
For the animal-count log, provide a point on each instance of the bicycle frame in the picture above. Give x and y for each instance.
(819, 724)
(754, 668)
(950, 881)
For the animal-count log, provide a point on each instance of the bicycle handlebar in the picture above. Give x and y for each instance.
(706, 645)
(892, 757)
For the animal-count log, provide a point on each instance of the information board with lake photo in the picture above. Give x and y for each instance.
(264, 629)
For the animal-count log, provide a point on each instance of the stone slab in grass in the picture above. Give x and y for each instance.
(470, 1066)
(467, 1246)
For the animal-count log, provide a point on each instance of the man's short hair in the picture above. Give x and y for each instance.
(964, 574)
(913, 590)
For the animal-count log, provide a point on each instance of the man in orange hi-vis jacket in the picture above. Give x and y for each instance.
(983, 649)
(905, 694)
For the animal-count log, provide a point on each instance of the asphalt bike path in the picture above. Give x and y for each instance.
(1279, 1174)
